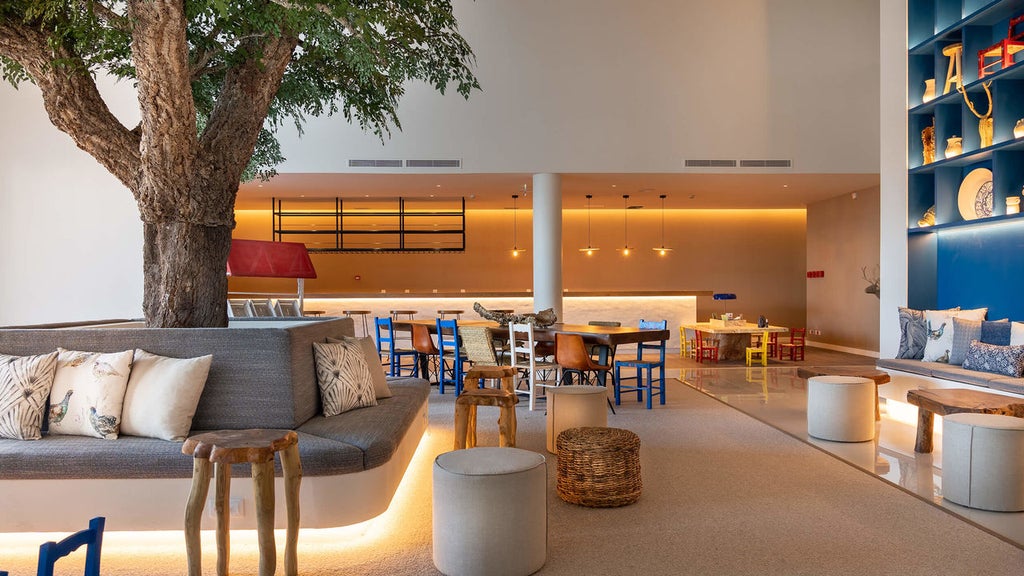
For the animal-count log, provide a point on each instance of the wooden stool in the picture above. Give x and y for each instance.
(256, 447)
(457, 313)
(953, 73)
(407, 313)
(506, 374)
(472, 396)
(362, 314)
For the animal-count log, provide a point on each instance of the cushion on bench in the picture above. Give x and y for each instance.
(377, 430)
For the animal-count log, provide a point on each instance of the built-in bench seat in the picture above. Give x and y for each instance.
(262, 376)
(954, 373)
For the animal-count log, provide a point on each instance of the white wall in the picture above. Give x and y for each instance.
(70, 235)
(573, 85)
(893, 223)
(607, 86)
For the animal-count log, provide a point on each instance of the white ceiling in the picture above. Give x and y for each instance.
(494, 191)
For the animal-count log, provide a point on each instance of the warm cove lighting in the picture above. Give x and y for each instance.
(166, 548)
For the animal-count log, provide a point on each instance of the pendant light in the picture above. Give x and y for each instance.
(662, 250)
(516, 250)
(625, 225)
(590, 249)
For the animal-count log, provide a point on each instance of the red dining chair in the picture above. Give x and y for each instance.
(707, 348)
(795, 346)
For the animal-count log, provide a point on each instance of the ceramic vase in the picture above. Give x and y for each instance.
(954, 146)
(929, 90)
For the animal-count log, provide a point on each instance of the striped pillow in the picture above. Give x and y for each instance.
(25, 383)
(343, 376)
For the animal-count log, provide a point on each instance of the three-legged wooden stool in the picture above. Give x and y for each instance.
(256, 447)
(472, 396)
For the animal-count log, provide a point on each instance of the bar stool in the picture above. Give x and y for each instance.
(257, 447)
(503, 311)
(457, 313)
(362, 314)
(410, 314)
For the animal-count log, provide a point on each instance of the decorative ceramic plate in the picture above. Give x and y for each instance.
(975, 198)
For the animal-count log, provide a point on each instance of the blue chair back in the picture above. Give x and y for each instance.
(91, 537)
(660, 346)
(448, 343)
(382, 338)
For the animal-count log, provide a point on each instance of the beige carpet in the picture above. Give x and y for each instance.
(723, 494)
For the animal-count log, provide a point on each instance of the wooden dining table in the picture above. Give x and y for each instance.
(607, 336)
(733, 339)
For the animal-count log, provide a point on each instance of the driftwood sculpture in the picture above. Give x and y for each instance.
(541, 319)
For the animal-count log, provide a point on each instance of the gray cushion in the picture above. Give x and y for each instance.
(66, 457)
(376, 430)
(996, 332)
(912, 366)
(964, 331)
(967, 376)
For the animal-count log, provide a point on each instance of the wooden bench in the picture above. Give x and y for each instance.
(945, 401)
(878, 376)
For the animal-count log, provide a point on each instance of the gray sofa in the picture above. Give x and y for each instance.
(954, 373)
(262, 376)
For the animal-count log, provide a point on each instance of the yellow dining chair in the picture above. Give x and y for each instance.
(687, 343)
(762, 349)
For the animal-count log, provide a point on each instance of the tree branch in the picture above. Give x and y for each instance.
(107, 15)
(235, 122)
(72, 100)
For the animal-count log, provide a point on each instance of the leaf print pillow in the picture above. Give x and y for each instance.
(88, 392)
(25, 383)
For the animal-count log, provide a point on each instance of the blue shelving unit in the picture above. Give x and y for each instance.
(960, 262)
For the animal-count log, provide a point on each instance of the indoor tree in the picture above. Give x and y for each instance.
(215, 79)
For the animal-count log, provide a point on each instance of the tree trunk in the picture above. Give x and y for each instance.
(185, 276)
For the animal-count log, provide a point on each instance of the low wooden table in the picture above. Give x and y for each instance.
(257, 447)
(878, 376)
(945, 401)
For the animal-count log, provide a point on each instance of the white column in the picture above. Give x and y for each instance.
(547, 243)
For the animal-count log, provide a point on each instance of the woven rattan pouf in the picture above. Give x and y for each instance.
(598, 467)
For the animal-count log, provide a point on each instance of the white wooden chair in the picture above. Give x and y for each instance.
(535, 372)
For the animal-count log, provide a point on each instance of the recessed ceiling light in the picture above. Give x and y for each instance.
(785, 185)
(438, 186)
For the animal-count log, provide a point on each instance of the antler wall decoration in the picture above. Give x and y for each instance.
(872, 279)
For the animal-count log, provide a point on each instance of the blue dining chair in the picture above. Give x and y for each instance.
(450, 369)
(92, 537)
(386, 344)
(644, 379)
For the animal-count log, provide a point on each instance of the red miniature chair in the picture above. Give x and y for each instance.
(1003, 50)
(795, 346)
(707, 348)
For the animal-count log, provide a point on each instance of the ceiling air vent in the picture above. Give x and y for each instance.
(766, 163)
(374, 163)
(710, 164)
(433, 163)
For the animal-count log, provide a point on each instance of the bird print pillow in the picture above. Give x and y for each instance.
(88, 392)
(25, 383)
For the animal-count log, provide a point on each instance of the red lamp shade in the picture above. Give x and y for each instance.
(269, 259)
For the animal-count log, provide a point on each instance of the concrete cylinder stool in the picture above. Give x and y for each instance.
(841, 408)
(983, 461)
(573, 407)
(490, 512)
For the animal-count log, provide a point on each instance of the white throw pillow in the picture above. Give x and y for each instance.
(380, 379)
(162, 395)
(1016, 333)
(343, 376)
(88, 392)
(939, 324)
(25, 383)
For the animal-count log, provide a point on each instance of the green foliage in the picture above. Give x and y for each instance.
(354, 56)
